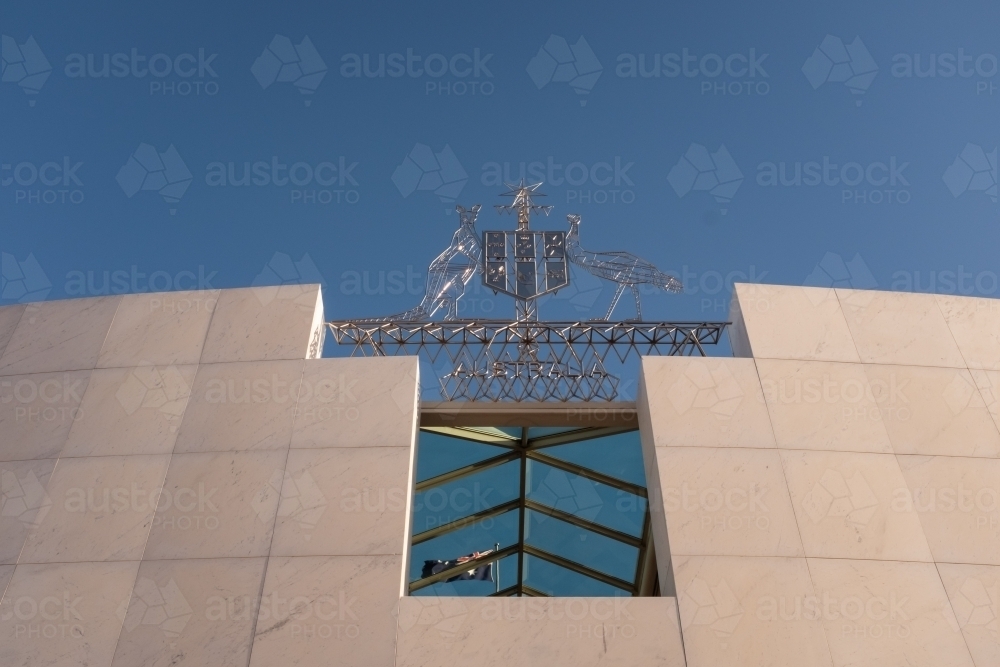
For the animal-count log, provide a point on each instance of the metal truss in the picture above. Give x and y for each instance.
(524, 449)
(525, 359)
(497, 360)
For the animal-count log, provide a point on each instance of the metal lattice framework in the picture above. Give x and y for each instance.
(523, 450)
(526, 360)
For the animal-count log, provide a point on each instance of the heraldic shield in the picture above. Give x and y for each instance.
(525, 264)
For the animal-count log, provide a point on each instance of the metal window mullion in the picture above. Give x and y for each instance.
(579, 568)
(466, 471)
(640, 565)
(522, 514)
(460, 433)
(576, 435)
(592, 475)
(464, 567)
(534, 592)
(437, 531)
(585, 524)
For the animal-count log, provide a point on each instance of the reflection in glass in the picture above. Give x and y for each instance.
(571, 518)
(480, 536)
(554, 580)
(618, 455)
(585, 498)
(438, 454)
(581, 546)
(467, 495)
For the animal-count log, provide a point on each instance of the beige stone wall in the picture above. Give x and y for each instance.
(182, 481)
(832, 495)
(498, 632)
(185, 483)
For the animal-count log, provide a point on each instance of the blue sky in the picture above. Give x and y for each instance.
(911, 227)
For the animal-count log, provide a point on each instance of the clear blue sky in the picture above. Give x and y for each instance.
(515, 107)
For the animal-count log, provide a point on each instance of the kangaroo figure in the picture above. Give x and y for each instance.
(620, 267)
(448, 274)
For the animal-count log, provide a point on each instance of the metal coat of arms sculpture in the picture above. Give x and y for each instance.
(523, 358)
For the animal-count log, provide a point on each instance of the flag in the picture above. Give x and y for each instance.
(482, 573)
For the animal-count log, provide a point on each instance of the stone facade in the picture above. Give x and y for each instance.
(832, 495)
(185, 482)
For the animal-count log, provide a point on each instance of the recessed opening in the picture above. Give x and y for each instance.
(530, 510)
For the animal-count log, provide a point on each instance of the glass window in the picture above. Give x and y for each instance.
(506, 572)
(467, 495)
(438, 454)
(618, 455)
(552, 579)
(584, 498)
(542, 431)
(480, 536)
(568, 517)
(582, 546)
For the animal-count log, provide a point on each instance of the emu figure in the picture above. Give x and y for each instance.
(623, 268)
